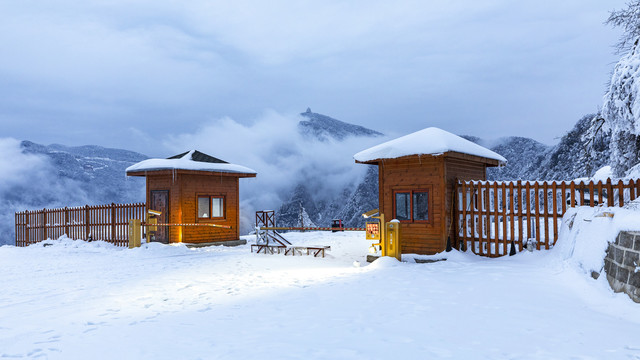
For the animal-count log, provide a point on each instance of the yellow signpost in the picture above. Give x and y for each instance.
(387, 234)
(152, 221)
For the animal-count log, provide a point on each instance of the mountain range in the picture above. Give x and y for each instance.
(527, 159)
(95, 175)
(97, 171)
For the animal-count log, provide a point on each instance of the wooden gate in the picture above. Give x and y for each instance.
(490, 214)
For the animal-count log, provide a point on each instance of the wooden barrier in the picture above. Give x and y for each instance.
(490, 214)
(100, 222)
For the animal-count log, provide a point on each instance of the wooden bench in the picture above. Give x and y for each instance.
(270, 249)
(315, 249)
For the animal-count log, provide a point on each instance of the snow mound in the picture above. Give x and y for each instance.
(603, 174)
(384, 262)
(633, 173)
(586, 233)
(64, 242)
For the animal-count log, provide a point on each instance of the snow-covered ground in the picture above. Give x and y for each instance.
(78, 300)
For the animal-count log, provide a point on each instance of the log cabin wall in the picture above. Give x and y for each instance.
(416, 173)
(184, 190)
(193, 186)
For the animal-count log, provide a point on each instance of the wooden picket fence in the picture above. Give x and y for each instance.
(490, 214)
(101, 222)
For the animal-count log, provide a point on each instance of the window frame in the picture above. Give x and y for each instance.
(211, 197)
(411, 191)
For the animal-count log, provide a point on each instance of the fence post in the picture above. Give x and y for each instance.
(536, 192)
(609, 193)
(528, 202)
(572, 188)
(487, 217)
(66, 221)
(545, 199)
(504, 218)
(473, 200)
(462, 243)
(554, 189)
(28, 229)
(16, 218)
(512, 214)
(620, 194)
(113, 223)
(86, 222)
(44, 224)
(519, 203)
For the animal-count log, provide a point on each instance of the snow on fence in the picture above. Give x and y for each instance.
(100, 222)
(489, 214)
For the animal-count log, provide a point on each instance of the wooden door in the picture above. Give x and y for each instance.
(160, 201)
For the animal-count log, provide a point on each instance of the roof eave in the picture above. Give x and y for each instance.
(192, 172)
(370, 162)
(488, 161)
(450, 154)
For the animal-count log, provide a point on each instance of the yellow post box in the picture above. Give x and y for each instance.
(392, 243)
(152, 220)
(375, 230)
(135, 233)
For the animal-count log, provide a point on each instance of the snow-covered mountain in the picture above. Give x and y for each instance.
(522, 154)
(58, 176)
(323, 127)
(351, 201)
(98, 171)
(95, 175)
(569, 159)
(527, 159)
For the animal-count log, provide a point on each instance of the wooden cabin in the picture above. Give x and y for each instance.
(417, 173)
(193, 188)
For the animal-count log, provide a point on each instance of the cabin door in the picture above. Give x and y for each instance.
(160, 201)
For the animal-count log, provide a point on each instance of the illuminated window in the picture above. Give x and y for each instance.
(210, 207)
(411, 206)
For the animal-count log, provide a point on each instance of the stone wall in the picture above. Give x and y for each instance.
(622, 264)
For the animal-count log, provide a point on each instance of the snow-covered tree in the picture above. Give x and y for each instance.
(629, 20)
(621, 108)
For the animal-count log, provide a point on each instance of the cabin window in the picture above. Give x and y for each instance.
(403, 206)
(210, 207)
(411, 205)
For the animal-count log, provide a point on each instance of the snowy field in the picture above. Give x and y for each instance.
(78, 300)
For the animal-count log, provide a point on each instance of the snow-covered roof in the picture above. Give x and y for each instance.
(190, 160)
(429, 141)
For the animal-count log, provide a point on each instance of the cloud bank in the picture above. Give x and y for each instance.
(83, 72)
(283, 158)
(30, 182)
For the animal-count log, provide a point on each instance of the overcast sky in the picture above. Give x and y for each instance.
(133, 74)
